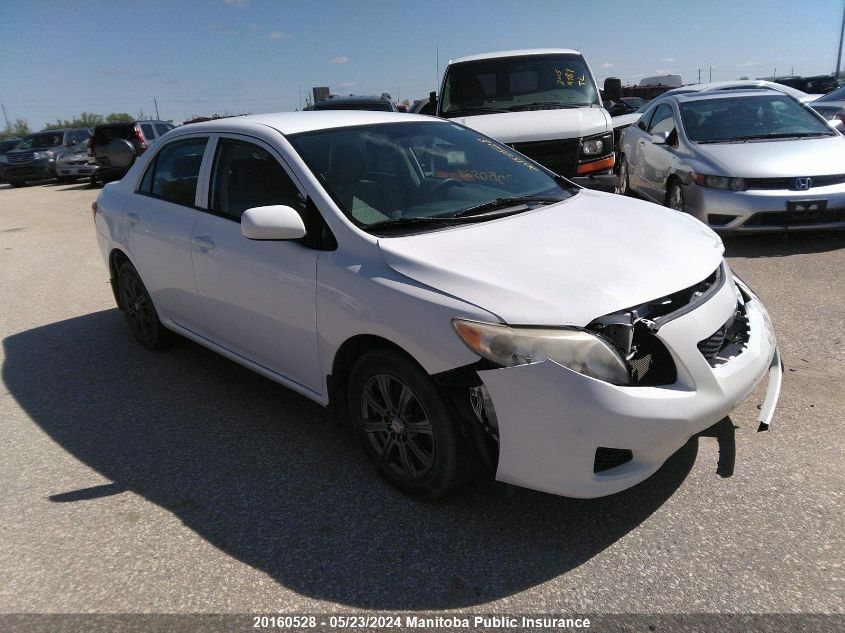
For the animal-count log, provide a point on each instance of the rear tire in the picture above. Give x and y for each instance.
(405, 426)
(624, 179)
(138, 308)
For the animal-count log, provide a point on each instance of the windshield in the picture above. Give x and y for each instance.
(509, 84)
(38, 141)
(749, 117)
(836, 95)
(421, 171)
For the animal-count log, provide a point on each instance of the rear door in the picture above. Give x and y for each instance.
(158, 230)
(259, 296)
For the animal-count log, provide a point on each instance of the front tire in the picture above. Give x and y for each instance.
(675, 196)
(624, 178)
(17, 183)
(405, 426)
(138, 308)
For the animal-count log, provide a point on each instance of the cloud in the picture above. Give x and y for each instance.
(749, 64)
(607, 65)
(115, 72)
(278, 35)
(238, 4)
(668, 60)
(343, 59)
(663, 71)
(347, 84)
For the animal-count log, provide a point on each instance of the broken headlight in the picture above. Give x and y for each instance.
(577, 350)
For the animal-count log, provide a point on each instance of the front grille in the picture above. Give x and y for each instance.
(710, 346)
(561, 156)
(23, 157)
(784, 218)
(607, 458)
(729, 340)
(789, 183)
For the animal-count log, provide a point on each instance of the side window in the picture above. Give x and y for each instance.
(662, 121)
(162, 129)
(246, 176)
(147, 129)
(645, 118)
(174, 172)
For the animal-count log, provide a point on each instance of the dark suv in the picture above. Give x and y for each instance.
(115, 146)
(35, 157)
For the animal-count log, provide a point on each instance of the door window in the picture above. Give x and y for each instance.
(245, 176)
(174, 172)
(147, 129)
(662, 121)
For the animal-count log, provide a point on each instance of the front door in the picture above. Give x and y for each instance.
(259, 296)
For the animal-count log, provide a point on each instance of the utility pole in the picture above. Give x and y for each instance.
(436, 67)
(299, 104)
(839, 52)
(711, 73)
(6, 116)
(156, 104)
(699, 74)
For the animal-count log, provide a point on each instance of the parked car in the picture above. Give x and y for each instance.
(831, 106)
(423, 106)
(353, 102)
(115, 146)
(74, 163)
(739, 161)
(35, 157)
(624, 105)
(453, 298)
(6, 145)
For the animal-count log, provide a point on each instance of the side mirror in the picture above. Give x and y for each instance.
(432, 102)
(837, 125)
(612, 89)
(660, 138)
(276, 222)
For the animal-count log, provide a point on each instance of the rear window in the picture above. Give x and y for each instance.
(102, 135)
(163, 128)
(147, 129)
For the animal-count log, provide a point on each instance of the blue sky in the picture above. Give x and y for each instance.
(58, 59)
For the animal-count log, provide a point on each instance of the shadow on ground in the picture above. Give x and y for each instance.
(783, 244)
(265, 476)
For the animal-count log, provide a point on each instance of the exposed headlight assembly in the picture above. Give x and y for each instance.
(578, 350)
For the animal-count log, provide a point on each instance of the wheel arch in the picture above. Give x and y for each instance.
(116, 259)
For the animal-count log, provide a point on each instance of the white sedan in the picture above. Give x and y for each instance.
(462, 305)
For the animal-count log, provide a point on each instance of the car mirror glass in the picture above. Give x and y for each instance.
(276, 222)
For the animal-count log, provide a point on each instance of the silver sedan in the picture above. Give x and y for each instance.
(739, 161)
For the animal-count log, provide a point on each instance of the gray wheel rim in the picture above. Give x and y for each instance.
(139, 311)
(397, 427)
(676, 198)
(623, 178)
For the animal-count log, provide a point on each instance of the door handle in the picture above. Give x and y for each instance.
(203, 242)
(134, 218)
(642, 142)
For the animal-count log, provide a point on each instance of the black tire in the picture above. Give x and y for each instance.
(410, 434)
(675, 196)
(138, 308)
(17, 183)
(624, 178)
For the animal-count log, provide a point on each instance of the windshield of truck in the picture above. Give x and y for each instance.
(422, 175)
(42, 140)
(512, 84)
(750, 118)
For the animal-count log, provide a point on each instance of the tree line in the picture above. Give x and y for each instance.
(20, 128)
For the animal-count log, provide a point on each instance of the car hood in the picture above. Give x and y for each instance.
(539, 125)
(777, 159)
(564, 264)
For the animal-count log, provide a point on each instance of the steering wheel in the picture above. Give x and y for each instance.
(446, 184)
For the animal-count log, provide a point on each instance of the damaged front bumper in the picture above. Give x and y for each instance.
(553, 422)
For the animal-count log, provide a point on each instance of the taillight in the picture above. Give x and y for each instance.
(140, 137)
(94, 209)
(91, 147)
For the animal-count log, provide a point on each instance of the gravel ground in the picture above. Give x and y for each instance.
(177, 481)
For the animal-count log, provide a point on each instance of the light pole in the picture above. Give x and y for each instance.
(839, 50)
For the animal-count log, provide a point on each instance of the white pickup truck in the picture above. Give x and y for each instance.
(542, 102)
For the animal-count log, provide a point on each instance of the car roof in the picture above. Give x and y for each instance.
(723, 94)
(516, 53)
(741, 83)
(305, 121)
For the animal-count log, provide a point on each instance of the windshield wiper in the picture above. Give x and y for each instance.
(478, 110)
(504, 203)
(420, 221)
(765, 137)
